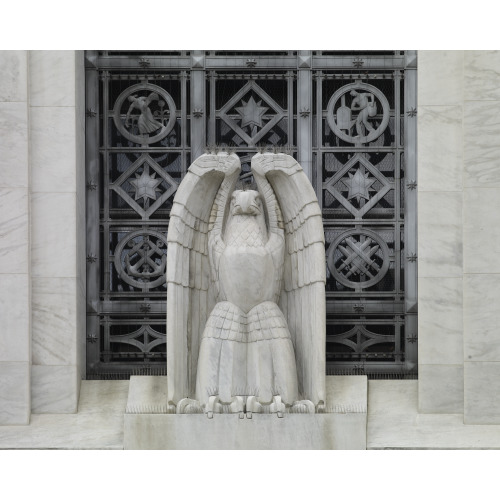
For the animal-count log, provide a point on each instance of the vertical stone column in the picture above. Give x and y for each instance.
(57, 153)
(15, 310)
(481, 234)
(198, 105)
(440, 269)
(304, 112)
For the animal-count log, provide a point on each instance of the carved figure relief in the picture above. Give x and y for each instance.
(356, 121)
(149, 116)
(246, 274)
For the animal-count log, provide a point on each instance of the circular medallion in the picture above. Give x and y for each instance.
(351, 113)
(144, 113)
(358, 258)
(141, 259)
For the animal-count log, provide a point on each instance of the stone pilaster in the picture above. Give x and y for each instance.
(440, 241)
(57, 139)
(481, 233)
(15, 307)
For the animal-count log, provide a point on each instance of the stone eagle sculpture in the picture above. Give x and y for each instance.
(246, 290)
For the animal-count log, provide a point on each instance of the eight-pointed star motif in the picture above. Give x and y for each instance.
(358, 185)
(251, 112)
(145, 185)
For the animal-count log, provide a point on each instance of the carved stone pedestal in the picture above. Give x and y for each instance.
(342, 427)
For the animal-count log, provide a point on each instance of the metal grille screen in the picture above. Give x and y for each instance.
(349, 118)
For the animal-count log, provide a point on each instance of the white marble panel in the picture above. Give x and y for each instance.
(97, 425)
(440, 148)
(440, 234)
(53, 227)
(14, 231)
(15, 317)
(346, 394)
(481, 231)
(54, 389)
(481, 390)
(53, 149)
(55, 321)
(440, 388)
(14, 144)
(481, 317)
(481, 144)
(394, 422)
(481, 75)
(147, 394)
(440, 77)
(13, 76)
(440, 322)
(14, 393)
(52, 77)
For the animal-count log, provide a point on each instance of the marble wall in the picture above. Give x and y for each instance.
(440, 238)
(481, 177)
(459, 240)
(15, 304)
(57, 135)
(42, 236)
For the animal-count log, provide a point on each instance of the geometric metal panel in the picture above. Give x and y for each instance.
(342, 114)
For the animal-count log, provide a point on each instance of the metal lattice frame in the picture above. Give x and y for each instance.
(150, 113)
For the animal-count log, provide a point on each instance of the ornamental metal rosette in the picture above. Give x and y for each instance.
(141, 259)
(358, 258)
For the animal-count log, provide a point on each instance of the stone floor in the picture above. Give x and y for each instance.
(97, 425)
(393, 422)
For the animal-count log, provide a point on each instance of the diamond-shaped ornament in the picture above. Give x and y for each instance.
(145, 185)
(248, 120)
(358, 185)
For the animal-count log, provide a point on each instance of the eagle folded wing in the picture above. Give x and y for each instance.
(189, 294)
(302, 298)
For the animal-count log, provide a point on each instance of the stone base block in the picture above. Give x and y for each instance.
(147, 426)
(327, 431)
